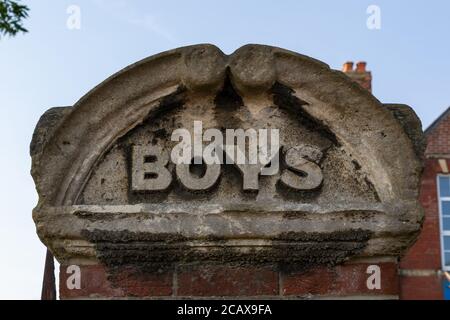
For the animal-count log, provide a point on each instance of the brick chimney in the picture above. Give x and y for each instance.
(359, 74)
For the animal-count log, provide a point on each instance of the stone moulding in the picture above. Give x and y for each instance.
(68, 144)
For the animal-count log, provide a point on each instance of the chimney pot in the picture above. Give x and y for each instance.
(361, 66)
(348, 67)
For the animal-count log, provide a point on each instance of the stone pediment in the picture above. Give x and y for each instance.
(354, 192)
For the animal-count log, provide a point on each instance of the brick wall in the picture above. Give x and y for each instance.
(425, 254)
(270, 281)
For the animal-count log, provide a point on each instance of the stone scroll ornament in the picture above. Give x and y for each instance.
(346, 186)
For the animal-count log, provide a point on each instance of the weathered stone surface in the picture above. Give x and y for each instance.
(364, 160)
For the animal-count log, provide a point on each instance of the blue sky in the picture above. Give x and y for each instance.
(54, 66)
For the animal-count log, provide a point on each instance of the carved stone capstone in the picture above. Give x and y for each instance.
(347, 186)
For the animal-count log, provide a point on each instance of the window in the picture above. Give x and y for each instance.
(444, 210)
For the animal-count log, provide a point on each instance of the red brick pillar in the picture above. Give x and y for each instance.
(350, 280)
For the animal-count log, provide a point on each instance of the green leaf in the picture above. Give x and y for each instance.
(12, 15)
